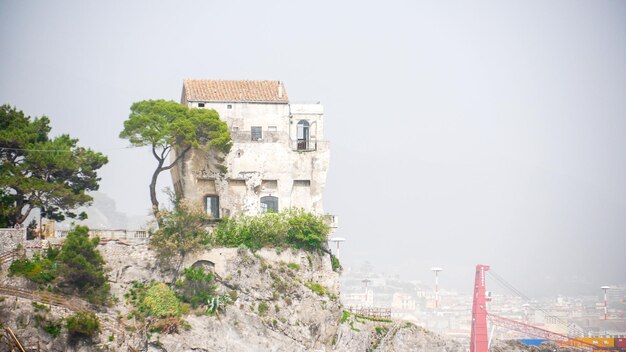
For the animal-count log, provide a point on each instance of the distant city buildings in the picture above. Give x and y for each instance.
(581, 316)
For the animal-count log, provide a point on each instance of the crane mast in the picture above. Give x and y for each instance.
(479, 340)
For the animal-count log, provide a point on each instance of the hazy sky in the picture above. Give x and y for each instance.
(462, 132)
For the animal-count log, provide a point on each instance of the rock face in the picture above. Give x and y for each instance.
(272, 308)
(281, 301)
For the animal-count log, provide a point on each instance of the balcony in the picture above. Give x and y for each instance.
(303, 145)
(331, 220)
(299, 145)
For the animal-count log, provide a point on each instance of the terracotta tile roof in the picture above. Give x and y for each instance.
(235, 91)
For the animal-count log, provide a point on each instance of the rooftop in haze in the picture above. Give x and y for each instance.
(234, 91)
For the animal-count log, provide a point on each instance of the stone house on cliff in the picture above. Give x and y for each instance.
(279, 157)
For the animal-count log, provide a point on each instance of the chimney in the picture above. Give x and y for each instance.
(280, 89)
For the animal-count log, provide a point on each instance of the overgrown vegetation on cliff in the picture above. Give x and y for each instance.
(184, 230)
(293, 228)
(161, 306)
(78, 268)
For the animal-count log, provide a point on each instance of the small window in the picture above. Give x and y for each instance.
(271, 128)
(229, 106)
(257, 133)
(235, 129)
(212, 206)
(200, 105)
(269, 203)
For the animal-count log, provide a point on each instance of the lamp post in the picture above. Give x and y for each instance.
(337, 240)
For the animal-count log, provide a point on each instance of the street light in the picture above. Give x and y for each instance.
(337, 240)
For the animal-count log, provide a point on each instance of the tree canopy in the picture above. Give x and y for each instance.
(165, 125)
(52, 174)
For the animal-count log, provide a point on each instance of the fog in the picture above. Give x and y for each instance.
(462, 132)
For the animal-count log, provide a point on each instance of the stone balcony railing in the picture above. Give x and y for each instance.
(110, 234)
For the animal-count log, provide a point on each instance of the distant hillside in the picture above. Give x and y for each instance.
(103, 214)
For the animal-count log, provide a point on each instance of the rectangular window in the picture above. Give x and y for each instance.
(235, 129)
(257, 133)
(200, 105)
(213, 206)
(229, 106)
(269, 203)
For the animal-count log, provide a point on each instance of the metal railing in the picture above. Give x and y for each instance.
(109, 234)
(300, 145)
(371, 312)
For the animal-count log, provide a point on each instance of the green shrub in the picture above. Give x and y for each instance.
(336, 265)
(263, 307)
(53, 328)
(83, 325)
(344, 316)
(315, 287)
(160, 301)
(40, 307)
(380, 330)
(292, 228)
(41, 270)
(293, 266)
(196, 286)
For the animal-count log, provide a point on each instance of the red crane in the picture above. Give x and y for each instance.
(479, 340)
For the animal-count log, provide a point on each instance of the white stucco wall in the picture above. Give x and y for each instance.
(269, 167)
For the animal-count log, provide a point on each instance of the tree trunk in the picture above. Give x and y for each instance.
(153, 196)
(160, 168)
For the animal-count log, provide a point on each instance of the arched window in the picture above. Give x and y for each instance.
(269, 203)
(303, 135)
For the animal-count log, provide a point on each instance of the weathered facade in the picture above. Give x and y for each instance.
(279, 157)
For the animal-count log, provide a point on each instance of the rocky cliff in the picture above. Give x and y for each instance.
(279, 301)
